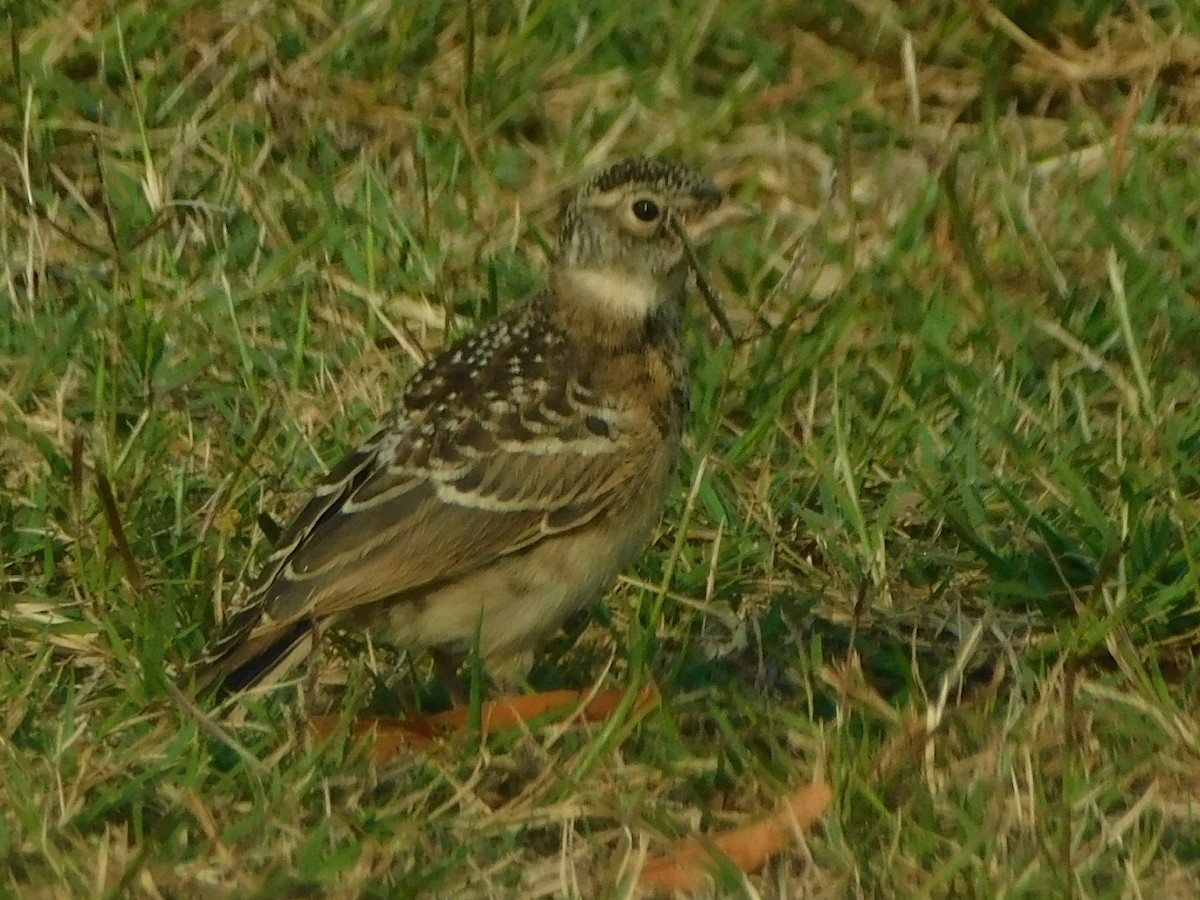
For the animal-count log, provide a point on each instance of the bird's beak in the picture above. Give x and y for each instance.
(727, 212)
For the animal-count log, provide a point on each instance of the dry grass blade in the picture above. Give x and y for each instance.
(712, 298)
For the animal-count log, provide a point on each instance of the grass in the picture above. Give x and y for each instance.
(936, 538)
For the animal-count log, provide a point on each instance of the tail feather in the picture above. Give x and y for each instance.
(256, 660)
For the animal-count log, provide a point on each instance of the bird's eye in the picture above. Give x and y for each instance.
(645, 210)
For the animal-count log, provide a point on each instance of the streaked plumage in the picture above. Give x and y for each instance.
(522, 468)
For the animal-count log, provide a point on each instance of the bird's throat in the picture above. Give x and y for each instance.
(609, 293)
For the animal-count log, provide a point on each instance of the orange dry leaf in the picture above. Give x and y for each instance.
(686, 866)
(389, 735)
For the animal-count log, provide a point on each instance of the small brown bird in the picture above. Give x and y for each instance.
(522, 468)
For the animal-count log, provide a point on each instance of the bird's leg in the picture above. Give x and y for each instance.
(447, 664)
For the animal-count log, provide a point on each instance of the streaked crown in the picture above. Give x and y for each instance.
(630, 215)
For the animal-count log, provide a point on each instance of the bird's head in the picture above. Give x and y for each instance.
(625, 236)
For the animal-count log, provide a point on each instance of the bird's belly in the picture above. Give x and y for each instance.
(519, 599)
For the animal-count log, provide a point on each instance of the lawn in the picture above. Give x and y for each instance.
(936, 541)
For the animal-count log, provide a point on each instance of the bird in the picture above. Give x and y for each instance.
(522, 468)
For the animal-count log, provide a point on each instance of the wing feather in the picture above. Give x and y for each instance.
(497, 444)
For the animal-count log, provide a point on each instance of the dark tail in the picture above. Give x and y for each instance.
(238, 661)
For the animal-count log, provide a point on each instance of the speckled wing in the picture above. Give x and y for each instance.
(495, 445)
